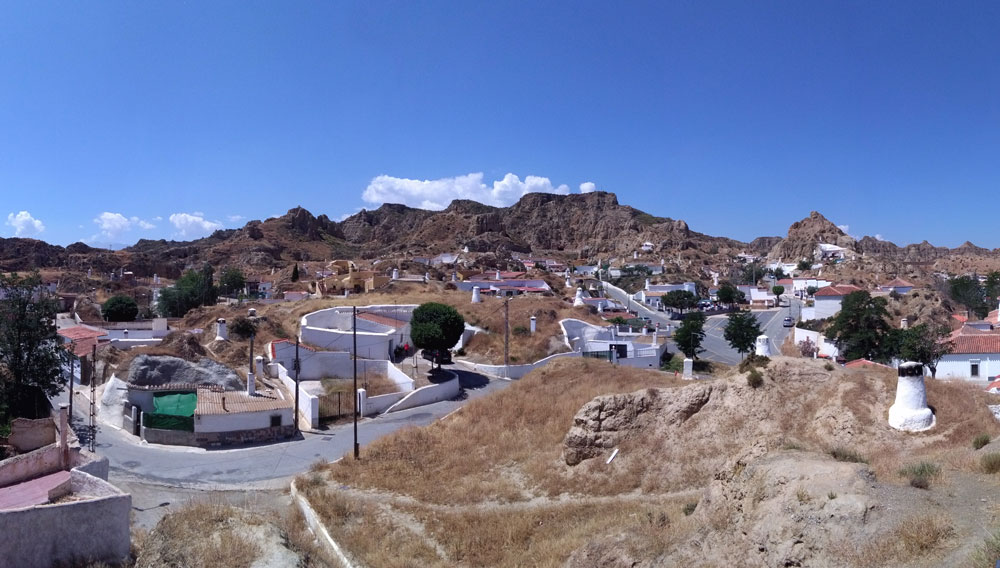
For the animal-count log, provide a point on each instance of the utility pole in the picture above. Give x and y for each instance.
(72, 358)
(296, 367)
(506, 336)
(354, 330)
(93, 397)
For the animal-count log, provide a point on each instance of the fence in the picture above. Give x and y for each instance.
(606, 355)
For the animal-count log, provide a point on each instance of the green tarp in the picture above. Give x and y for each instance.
(172, 411)
(175, 404)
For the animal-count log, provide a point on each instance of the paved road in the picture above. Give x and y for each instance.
(261, 465)
(716, 347)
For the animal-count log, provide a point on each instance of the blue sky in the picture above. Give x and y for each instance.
(128, 120)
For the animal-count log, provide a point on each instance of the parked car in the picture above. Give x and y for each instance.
(436, 356)
(789, 322)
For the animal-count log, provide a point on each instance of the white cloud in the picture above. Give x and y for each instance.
(587, 187)
(193, 225)
(145, 225)
(157, 218)
(879, 237)
(112, 225)
(235, 218)
(844, 228)
(24, 224)
(438, 193)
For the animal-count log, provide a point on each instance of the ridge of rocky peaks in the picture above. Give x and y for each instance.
(804, 235)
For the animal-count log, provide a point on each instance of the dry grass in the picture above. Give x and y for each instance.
(338, 400)
(914, 537)
(202, 535)
(520, 428)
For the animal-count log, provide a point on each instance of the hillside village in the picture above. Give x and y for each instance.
(296, 333)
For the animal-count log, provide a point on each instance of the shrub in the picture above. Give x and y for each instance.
(689, 508)
(755, 380)
(990, 462)
(828, 366)
(981, 440)
(753, 361)
(807, 348)
(242, 327)
(521, 330)
(842, 454)
(831, 495)
(986, 554)
(120, 308)
(920, 474)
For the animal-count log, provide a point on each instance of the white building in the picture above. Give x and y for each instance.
(826, 251)
(974, 356)
(829, 299)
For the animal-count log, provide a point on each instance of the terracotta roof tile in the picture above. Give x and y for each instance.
(976, 344)
(837, 290)
(898, 283)
(211, 401)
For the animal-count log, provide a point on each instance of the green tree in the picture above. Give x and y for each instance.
(729, 294)
(967, 290)
(243, 327)
(194, 288)
(860, 329)
(752, 272)
(804, 265)
(811, 290)
(680, 300)
(295, 273)
(992, 288)
(741, 331)
(120, 308)
(779, 273)
(30, 349)
(436, 326)
(778, 291)
(690, 334)
(231, 280)
(924, 344)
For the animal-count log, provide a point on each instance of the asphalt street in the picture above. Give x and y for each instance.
(716, 347)
(263, 465)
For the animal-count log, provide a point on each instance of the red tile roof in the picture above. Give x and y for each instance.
(976, 344)
(382, 320)
(960, 317)
(864, 363)
(786, 282)
(898, 283)
(232, 402)
(837, 290)
(82, 339)
(993, 385)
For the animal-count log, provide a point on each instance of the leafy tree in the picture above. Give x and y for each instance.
(729, 294)
(811, 290)
(752, 272)
(804, 265)
(778, 273)
(120, 308)
(194, 288)
(807, 347)
(295, 273)
(967, 290)
(436, 326)
(742, 330)
(243, 327)
(690, 334)
(924, 344)
(992, 287)
(680, 300)
(860, 328)
(30, 349)
(778, 291)
(231, 280)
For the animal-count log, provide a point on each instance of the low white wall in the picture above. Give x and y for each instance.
(127, 344)
(429, 394)
(316, 365)
(308, 403)
(378, 404)
(32, 464)
(959, 366)
(516, 371)
(370, 345)
(46, 535)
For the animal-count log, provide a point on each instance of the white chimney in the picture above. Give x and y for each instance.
(904, 324)
(221, 333)
(252, 312)
(647, 284)
(910, 412)
(578, 301)
(395, 274)
(498, 274)
(568, 283)
(454, 277)
(251, 388)
(475, 295)
(762, 347)
(260, 366)
(635, 254)
(533, 324)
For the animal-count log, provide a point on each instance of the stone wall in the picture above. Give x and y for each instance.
(27, 435)
(168, 437)
(206, 439)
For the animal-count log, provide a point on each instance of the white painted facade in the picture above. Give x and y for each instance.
(961, 366)
(827, 306)
(236, 421)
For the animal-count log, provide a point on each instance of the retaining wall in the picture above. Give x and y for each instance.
(308, 403)
(517, 371)
(427, 395)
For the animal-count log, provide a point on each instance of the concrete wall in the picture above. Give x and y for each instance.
(517, 371)
(167, 437)
(235, 421)
(93, 529)
(308, 403)
(377, 404)
(42, 461)
(130, 343)
(429, 394)
(958, 366)
(827, 306)
(316, 365)
(27, 435)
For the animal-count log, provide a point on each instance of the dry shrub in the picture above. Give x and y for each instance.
(522, 426)
(990, 462)
(987, 553)
(979, 441)
(920, 474)
(202, 534)
(843, 454)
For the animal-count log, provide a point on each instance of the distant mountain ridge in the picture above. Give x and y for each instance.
(578, 225)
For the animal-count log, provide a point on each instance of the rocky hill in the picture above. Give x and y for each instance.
(804, 235)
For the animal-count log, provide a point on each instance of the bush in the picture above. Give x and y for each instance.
(689, 508)
(990, 462)
(242, 327)
(920, 474)
(807, 348)
(675, 364)
(521, 330)
(842, 454)
(755, 379)
(828, 366)
(120, 308)
(981, 440)
(753, 361)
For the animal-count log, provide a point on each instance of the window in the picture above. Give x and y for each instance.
(275, 421)
(974, 368)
